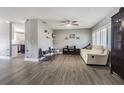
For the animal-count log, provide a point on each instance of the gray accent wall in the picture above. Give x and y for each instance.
(83, 34)
(5, 39)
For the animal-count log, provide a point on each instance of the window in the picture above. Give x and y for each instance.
(98, 38)
(94, 38)
(102, 37)
(109, 37)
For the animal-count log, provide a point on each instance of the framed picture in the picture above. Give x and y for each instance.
(72, 36)
(77, 37)
(47, 37)
(66, 38)
(45, 31)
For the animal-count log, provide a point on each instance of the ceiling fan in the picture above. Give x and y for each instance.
(69, 23)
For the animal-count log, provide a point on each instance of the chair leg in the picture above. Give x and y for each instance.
(111, 71)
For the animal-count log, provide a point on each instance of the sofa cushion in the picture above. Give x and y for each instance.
(97, 49)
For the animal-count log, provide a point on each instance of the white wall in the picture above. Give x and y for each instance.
(31, 39)
(43, 41)
(18, 34)
(20, 38)
(4, 39)
(60, 41)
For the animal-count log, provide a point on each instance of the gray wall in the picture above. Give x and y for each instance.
(60, 41)
(4, 39)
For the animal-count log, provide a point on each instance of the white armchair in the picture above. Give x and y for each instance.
(97, 55)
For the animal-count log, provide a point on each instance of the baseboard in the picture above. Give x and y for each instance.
(31, 59)
(5, 57)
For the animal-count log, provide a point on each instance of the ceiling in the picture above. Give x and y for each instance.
(87, 17)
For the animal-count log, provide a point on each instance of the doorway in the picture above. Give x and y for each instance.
(17, 40)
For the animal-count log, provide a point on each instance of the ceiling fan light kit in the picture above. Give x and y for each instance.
(69, 23)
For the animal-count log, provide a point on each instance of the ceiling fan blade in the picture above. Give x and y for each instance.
(75, 24)
(74, 21)
(67, 22)
(63, 21)
(62, 24)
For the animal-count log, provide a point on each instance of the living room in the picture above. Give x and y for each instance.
(79, 34)
(61, 46)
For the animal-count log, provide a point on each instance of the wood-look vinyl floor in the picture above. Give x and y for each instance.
(63, 70)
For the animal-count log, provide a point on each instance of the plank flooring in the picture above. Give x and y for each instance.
(63, 70)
